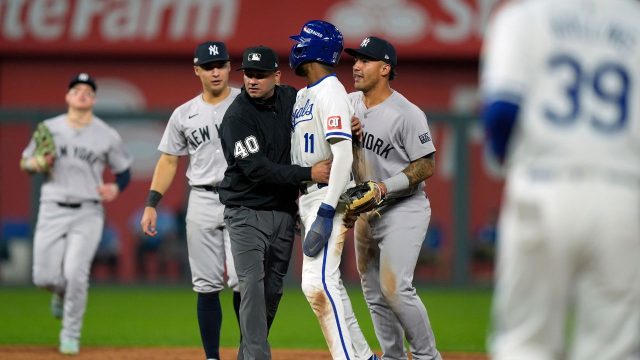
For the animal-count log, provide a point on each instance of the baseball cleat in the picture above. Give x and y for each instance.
(69, 346)
(57, 305)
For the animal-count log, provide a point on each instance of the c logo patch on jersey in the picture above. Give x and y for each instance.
(334, 122)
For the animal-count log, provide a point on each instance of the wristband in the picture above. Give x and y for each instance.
(396, 183)
(153, 199)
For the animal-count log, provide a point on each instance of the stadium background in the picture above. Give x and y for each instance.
(141, 53)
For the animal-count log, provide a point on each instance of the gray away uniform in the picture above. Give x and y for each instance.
(396, 132)
(71, 216)
(193, 130)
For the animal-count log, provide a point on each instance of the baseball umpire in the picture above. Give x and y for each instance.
(193, 131)
(72, 150)
(259, 190)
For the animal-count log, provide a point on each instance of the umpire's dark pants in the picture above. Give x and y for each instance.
(261, 244)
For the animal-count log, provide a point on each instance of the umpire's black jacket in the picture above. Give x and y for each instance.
(256, 140)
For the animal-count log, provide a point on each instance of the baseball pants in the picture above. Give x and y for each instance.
(323, 288)
(568, 240)
(261, 244)
(387, 249)
(208, 243)
(65, 242)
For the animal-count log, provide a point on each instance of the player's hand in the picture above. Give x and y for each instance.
(356, 129)
(108, 192)
(38, 163)
(320, 171)
(349, 219)
(148, 221)
(320, 231)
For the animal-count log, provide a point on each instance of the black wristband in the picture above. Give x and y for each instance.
(153, 199)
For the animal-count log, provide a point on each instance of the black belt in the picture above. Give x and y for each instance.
(306, 188)
(75, 205)
(211, 188)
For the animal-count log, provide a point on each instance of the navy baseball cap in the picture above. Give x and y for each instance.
(210, 51)
(377, 49)
(259, 58)
(83, 78)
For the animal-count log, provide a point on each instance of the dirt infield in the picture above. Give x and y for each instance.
(104, 353)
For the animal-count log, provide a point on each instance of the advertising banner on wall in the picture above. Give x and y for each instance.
(434, 28)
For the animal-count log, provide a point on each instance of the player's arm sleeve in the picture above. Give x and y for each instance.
(122, 179)
(336, 117)
(340, 171)
(173, 140)
(416, 139)
(499, 118)
(504, 75)
(30, 149)
(241, 142)
(118, 157)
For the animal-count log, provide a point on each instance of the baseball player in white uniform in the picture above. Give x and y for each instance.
(321, 130)
(561, 85)
(193, 130)
(71, 216)
(396, 152)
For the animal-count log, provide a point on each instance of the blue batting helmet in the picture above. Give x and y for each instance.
(318, 41)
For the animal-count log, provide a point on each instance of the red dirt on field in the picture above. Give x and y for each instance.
(155, 353)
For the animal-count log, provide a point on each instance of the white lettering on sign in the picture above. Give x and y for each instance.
(116, 20)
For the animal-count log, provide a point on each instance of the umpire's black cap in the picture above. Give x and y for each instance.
(210, 51)
(259, 58)
(83, 78)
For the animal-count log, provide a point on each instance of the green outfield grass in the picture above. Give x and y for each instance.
(165, 316)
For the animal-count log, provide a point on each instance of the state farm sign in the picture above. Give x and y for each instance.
(117, 20)
(418, 28)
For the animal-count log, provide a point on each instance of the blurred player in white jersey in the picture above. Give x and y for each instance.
(193, 130)
(71, 216)
(396, 152)
(321, 124)
(561, 86)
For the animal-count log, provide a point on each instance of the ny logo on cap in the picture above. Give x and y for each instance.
(83, 77)
(213, 50)
(365, 42)
(254, 57)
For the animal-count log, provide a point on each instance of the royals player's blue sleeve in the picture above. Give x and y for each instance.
(499, 118)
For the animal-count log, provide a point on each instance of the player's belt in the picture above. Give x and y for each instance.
(211, 188)
(307, 188)
(75, 205)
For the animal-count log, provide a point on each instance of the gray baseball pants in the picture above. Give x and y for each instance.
(261, 244)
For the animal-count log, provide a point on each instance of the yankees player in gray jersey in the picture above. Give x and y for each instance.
(397, 153)
(193, 130)
(71, 216)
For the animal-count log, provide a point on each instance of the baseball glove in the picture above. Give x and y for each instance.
(45, 152)
(44, 141)
(362, 198)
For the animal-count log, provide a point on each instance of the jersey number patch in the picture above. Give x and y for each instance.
(243, 148)
(607, 82)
